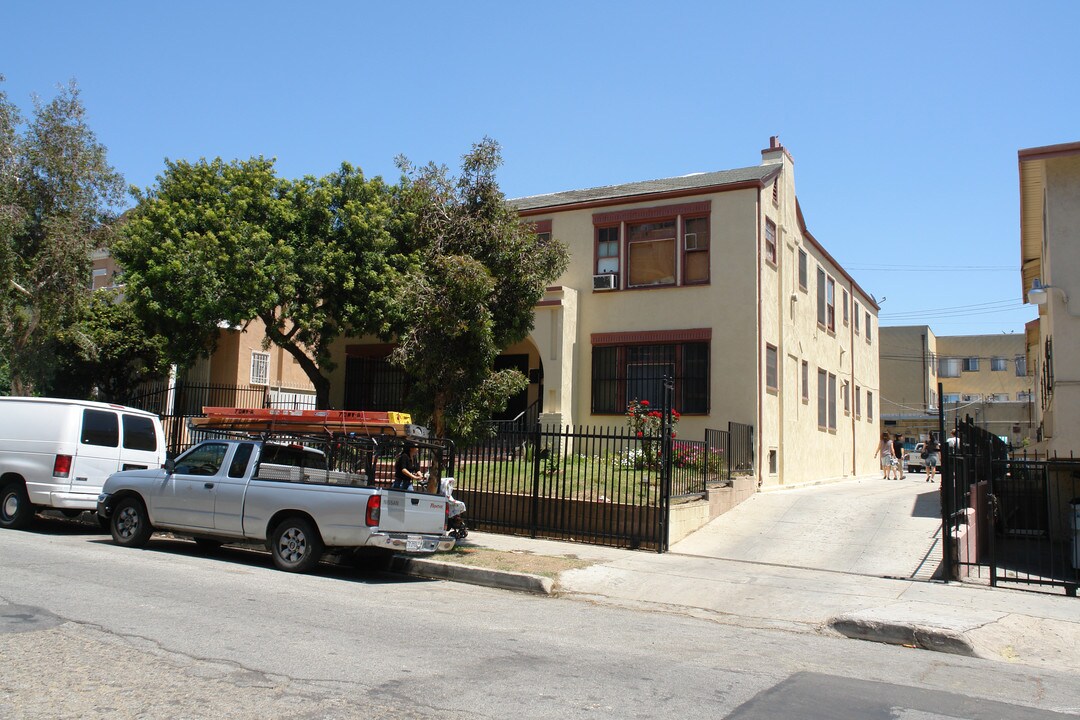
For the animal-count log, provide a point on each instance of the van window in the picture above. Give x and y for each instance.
(240, 460)
(139, 433)
(100, 427)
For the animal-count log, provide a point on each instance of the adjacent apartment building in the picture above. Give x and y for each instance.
(1050, 277)
(713, 280)
(984, 377)
(240, 370)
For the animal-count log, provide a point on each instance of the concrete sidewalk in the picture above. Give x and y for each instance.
(853, 557)
(991, 623)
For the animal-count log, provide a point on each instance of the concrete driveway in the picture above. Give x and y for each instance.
(868, 526)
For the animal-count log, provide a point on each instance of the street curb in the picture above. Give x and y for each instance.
(487, 577)
(925, 637)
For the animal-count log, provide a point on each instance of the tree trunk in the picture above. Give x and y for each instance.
(307, 364)
(438, 429)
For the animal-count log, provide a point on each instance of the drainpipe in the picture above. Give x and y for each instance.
(762, 459)
(851, 384)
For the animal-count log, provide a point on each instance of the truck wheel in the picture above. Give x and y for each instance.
(295, 545)
(130, 524)
(16, 512)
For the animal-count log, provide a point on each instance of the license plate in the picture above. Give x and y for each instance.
(414, 544)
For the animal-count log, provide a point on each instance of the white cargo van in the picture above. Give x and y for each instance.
(58, 453)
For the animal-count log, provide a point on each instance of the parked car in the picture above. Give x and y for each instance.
(57, 453)
(913, 459)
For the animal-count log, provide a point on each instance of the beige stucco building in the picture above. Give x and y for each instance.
(239, 361)
(712, 279)
(984, 377)
(1050, 258)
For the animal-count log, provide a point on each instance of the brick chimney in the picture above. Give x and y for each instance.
(775, 152)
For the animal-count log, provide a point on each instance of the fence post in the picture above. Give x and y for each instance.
(534, 511)
(947, 496)
(665, 466)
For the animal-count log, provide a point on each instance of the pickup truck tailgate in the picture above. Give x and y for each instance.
(412, 512)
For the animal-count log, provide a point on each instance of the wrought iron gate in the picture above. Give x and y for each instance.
(1010, 520)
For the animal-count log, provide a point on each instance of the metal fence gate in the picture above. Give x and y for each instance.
(1011, 520)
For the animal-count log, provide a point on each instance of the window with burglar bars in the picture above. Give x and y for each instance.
(260, 368)
(621, 373)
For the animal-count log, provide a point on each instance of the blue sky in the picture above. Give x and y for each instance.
(904, 119)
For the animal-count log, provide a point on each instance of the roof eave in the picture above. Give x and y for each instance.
(652, 196)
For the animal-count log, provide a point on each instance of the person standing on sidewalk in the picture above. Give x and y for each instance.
(898, 451)
(885, 449)
(933, 457)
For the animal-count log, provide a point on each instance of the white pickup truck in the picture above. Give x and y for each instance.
(227, 490)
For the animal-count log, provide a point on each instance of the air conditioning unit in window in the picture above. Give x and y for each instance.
(607, 281)
(690, 241)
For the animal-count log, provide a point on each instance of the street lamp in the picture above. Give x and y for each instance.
(1039, 295)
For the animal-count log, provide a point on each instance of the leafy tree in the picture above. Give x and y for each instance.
(107, 354)
(57, 198)
(479, 275)
(216, 243)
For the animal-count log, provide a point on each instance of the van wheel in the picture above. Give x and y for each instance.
(16, 512)
(130, 524)
(295, 545)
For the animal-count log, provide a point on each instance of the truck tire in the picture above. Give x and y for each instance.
(130, 524)
(16, 512)
(295, 545)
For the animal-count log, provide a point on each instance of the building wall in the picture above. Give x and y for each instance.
(231, 362)
(910, 357)
(1050, 252)
(1012, 418)
(731, 294)
(104, 270)
(745, 292)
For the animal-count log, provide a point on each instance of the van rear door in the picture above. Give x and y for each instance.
(141, 442)
(98, 453)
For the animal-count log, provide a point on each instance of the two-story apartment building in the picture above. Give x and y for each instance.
(983, 377)
(1050, 277)
(713, 280)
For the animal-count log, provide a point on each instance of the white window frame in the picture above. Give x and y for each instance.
(260, 367)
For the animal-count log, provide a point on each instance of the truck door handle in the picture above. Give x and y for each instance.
(415, 501)
(208, 486)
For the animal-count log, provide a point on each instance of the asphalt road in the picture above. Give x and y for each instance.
(91, 630)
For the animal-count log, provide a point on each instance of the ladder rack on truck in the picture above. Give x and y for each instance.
(334, 422)
(354, 441)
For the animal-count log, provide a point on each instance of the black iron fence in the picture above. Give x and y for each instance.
(177, 401)
(1011, 519)
(593, 485)
(599, 485)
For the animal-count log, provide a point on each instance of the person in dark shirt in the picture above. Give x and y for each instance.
(407, 468)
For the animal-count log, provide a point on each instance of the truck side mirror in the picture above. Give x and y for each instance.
(170, 466)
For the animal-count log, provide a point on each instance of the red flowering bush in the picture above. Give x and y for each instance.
(646, 423)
